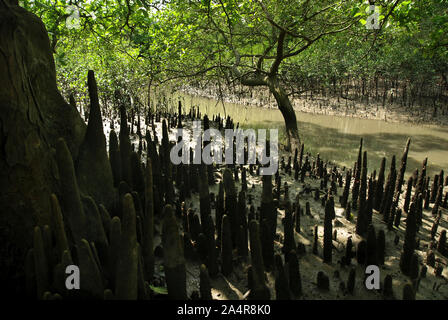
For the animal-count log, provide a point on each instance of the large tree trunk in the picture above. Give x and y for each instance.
(33, 115)
(285, 106)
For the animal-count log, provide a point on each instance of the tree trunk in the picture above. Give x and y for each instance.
(289, 115)
(33, 115)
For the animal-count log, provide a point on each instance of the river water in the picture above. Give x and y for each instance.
(337, 138)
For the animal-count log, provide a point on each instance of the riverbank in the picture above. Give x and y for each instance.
(336, 106)
(336, 137)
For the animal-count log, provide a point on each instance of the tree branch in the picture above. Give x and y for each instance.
(280, 56)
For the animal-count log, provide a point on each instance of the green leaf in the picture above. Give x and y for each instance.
(159, 290)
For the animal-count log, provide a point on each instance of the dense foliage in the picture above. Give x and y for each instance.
(133, 45)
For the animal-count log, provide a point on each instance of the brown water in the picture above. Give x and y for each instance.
(337, 138)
